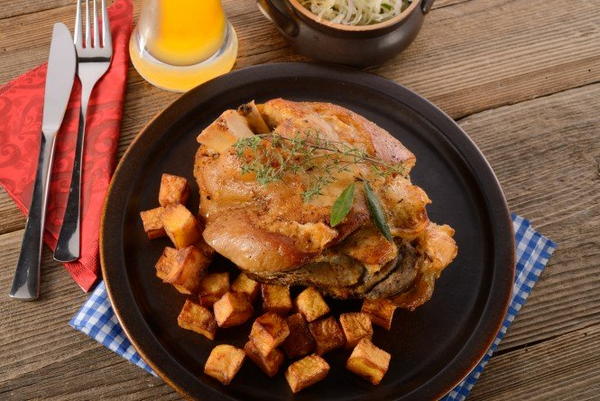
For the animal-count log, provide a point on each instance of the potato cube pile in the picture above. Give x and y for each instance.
(300, 329)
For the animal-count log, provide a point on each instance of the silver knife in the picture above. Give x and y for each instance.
(59, 82)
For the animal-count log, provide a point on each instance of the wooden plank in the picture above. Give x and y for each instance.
(518, 52)
(564, 368)
(11, 218)
(446, 3)
(93, 374)
(546, 153)
(33, 330)
(15, 8)
(480, 54)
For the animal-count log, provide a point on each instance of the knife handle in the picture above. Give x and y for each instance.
(68, 247)
(26, 283)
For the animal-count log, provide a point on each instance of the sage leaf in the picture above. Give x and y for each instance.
(342, 205)
(377, 213)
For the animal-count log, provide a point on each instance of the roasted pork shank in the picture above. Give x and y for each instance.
(277, 234)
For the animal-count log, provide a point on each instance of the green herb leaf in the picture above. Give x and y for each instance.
(271, 157)
(342, 206)
(377, 213)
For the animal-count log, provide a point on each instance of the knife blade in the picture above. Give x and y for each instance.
(59, 83)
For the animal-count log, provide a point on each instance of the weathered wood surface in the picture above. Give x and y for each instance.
(564, 368)
(546, 154)
(519, 75)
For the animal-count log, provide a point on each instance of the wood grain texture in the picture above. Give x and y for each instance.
(44, 358)
(469, 56)
(475, 59)
(10, 8)
(11, 217)
(564, 368)
(546, 154)
(15, 8)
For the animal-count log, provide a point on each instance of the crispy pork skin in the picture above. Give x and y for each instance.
(276, 236)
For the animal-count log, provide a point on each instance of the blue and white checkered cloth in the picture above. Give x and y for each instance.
(97, 319)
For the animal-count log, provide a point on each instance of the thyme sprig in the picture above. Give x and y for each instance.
(270, 157)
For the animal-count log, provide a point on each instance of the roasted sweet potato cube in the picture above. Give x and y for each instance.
(173, 190)
(197, 318)
(276, 298)
(268, 331)
(212, 288)
(381, 311)
(270, 363)
(311, 304)
(152, 221)
(300, 342)
(356, 326)
(166, 269)
(328, 334)
(232, 310)
(183, 268)
(224, 362)
(245, 285)
(181, 226)
(368, 361)
(191, 263)
(306, 372)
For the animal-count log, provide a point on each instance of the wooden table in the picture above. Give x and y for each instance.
(522, 77)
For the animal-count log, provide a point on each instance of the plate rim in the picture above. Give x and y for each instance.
(500, 213)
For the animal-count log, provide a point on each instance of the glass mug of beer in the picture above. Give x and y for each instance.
(179, 44)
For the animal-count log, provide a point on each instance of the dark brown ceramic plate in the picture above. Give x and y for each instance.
(432, 348)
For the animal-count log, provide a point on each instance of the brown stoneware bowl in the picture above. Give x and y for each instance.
(358, 46)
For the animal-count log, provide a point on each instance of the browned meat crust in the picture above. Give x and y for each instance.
(273, 234)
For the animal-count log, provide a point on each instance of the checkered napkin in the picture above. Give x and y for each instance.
(97, 319)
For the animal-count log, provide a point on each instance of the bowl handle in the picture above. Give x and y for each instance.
(279, 14)
(426, 5)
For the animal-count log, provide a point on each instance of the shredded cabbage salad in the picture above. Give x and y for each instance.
(356, 12)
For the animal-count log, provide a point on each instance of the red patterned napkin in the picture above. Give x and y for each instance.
(21, 104)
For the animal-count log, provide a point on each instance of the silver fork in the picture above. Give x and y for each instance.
(93, 59)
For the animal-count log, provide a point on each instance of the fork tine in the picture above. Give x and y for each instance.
(77, 36)
(87, 24)
(106, 38)
(96, 38)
